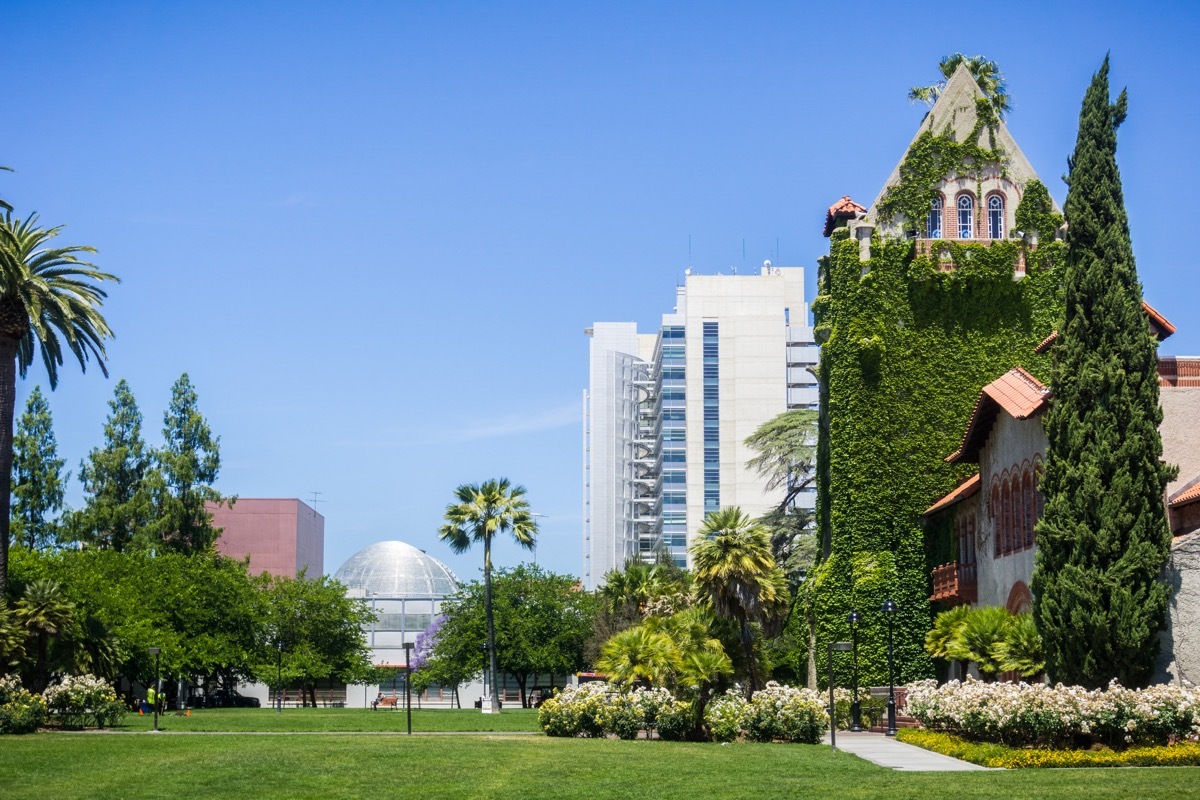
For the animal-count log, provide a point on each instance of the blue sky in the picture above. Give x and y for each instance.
(374, 233)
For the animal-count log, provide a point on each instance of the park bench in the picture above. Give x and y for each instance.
(387, 702)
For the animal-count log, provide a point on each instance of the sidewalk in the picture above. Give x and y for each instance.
(887, 752)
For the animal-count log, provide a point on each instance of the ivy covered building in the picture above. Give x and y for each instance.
(944, 283)
(937, 307)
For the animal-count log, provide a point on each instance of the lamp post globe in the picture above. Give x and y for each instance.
(889, 609)
(855, 706)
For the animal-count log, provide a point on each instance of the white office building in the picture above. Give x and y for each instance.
(666, 414)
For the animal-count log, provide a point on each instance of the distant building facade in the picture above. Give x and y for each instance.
(281, 536)
(666, 414)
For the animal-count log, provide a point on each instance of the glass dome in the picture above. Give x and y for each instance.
(396, 569)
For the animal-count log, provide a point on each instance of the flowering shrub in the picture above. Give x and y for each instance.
(20, 711)
(785, 713)
(622, 715)
(675, 720)
(78, 699)
(575, 711)
(725, 716)
(842, 700)
(1035, 714)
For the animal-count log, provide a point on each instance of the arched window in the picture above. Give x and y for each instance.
(1006, 516)
(966, 216)
(995, 209)
(995, 514)
(933, 224)
(1027, 494)
(1039, 500)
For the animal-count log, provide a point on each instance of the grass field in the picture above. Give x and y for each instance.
(87, 765)
(336, 720)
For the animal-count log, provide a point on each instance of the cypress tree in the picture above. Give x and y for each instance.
(114, 478)
(37, 479)
(1103, 541)
(188, 464)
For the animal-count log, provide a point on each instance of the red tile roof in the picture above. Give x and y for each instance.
(1161, 326)
(842, 209)
(1187, 495)
(961, 492)
(1017, 393)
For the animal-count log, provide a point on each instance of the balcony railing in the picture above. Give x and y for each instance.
(955, 584)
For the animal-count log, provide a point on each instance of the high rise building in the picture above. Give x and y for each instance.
(666, 414)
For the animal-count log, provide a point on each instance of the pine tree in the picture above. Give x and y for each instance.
(37, 479)
(1099, 601)
(188, 464)
(114, 478)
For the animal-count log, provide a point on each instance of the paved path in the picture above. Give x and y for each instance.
(887, 752)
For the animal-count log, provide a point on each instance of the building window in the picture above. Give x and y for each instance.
(966, 216)
(933, 224)
(995, 208)
(1027, 494)
(712, 473)
(995, 514)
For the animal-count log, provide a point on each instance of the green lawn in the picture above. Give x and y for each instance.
(61, 766)
(336, 719)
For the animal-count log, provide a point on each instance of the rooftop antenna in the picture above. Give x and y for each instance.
(315, 499)
(689, 250)
(743, 253)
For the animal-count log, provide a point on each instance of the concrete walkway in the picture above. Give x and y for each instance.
(887, 752)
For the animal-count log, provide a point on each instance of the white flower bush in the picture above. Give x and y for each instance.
(725, 716)
(20, 710)
(1063, 716)
(79, 699)
(575, 711)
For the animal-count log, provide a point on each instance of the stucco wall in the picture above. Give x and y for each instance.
(1012, 442)
(1181, 432)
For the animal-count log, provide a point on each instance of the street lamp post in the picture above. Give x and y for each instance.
(154, 651)
(484, 705)
(855, 706)
(841, 647)
(408, 646)
(889, 610)
(279, 677)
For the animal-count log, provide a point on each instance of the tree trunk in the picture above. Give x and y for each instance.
(487, 603)
(751, 666)
(8, 399)
(812, 651)
(522, 679)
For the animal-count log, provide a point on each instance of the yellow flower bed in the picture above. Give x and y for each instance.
(1186, 754)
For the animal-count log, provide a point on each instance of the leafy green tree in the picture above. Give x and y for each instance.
(189, 463)
(320, 629)
(1099, 600)
(482, 511)
(787, 449)
(542, 622)
(48, 298)
(736, 575)
(119, 504)
(37, 476)
(986, 73)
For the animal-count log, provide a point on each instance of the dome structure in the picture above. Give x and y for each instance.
(399, 570)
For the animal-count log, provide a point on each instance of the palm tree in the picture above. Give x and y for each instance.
(980, 632)
(986, 73)
(48, 299)
(639, 653)
(3, 205)
(737, 576)
(1021, 652)
(44, 611)
(482, 511)
(941, 640)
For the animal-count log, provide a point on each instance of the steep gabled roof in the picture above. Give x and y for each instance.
(967, 488)
(1189, 494)
(1159, 324)
(1016, 393)
(842, 209)
(955, 108)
